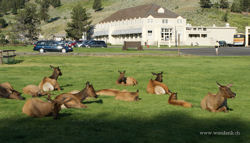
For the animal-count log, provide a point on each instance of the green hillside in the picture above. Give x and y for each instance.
(189, 9)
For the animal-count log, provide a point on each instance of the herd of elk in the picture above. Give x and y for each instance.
(218, 102)
(36, 107)
(127, 81)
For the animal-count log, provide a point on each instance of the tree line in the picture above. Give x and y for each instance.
(236, 6)
(30, 15)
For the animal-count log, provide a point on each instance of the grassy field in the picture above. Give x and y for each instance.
(149, 120)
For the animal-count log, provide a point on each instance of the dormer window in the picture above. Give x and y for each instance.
(161, 10)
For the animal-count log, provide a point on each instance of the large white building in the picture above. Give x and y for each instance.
(154, 25)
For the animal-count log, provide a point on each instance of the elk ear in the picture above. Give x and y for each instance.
(229, 85)
(153, 73)
(218, 84)
(87, 83)
(124, 71)
(161, 72)
(51, 66)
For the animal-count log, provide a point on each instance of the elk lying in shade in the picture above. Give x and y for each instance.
(120, 95)
(36, 107)
(156, 87)
(125, 80)
(173, 100)
(34, 91)
(218, 102)
(50, 83)
(78, 97)
(7, 91)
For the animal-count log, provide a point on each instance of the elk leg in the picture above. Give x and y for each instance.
(222, 109)
(57, 87)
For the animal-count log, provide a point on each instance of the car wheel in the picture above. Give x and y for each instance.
(88, 46)
(63, 50)
(41, 50)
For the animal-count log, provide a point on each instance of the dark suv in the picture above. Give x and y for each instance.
(51, 46)
(94, 43)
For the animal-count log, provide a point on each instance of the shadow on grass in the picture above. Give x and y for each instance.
(90, 102)
(174, 127)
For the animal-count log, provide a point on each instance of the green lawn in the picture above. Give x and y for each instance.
(149, 120)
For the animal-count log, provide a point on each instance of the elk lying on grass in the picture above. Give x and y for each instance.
(50, 83)
(36, 107)
(156, 87)
(159, 76)
(34, 91)
(173, 100)
(7, 91)
(120, 95)
(78, 97)
(125, 80)
(218, 102)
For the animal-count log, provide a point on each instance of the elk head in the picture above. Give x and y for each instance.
(56, 73)
(122, 77)
(16, 95)
(159, 76)
(226, 91)
(90, 90)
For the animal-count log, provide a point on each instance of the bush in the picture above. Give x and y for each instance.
(3, 23)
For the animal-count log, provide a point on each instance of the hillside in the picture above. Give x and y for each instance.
(187, 8)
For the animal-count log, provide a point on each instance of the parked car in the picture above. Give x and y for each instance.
(84, 43)
(94, 43)
(51, 46)
(222, 43)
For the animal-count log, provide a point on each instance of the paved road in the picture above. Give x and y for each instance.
(228, 51)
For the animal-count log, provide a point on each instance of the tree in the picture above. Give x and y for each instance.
(224, 4)
(80, 23)
(236, 6)
(28, 22)
(225, 17)
(97, 5)
(3, 23)
(44, 8)
(245, 5)
(55, 3)
(205, 4)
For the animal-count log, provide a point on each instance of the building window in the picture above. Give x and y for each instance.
(150, 20)
(166, 34)
(204, 35)
(199, 29)
(179, 20)
(150, 32)
(204, 29)
(194, 29)
(164, 21)
(194, 35)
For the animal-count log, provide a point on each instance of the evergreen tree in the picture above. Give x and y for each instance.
(28, 22)
(44, 8)
(224, 4)
(236, 6)
(205, 4)
(55, 3)
(97, 5)
(80, 23)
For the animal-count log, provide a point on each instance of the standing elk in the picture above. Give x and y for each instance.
(125, 80)
(77, 98)
(218, 102)
(173, 100)
(7, 91)
(50, 83)
(36, 107)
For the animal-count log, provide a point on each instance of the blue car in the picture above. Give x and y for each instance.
(51, 46)
(94, 43)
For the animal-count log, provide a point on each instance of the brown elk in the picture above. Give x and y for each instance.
(34, 91)
(125, 80)
(156, 87)
(36, 107)
(173, 100)
(159, 76)
(120, 95)
(78, 97)
(50, 83)
(218, 102)
(7, 91)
